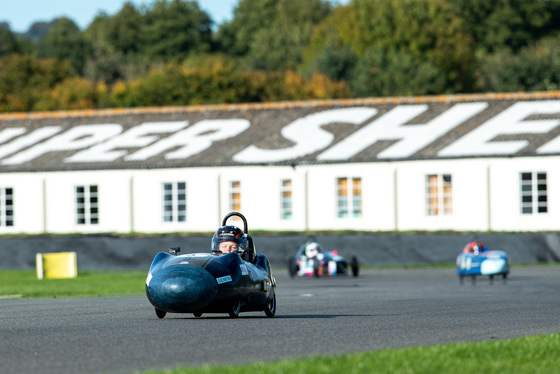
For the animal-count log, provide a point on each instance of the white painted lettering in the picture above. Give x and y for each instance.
(193, 139)
(306, 132)
(10, 133)
(511, 121)
(391, 126)
(27, 140)
(552, 146)
(133, 138)
(75, 138)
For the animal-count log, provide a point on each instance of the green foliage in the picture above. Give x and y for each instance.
(271, 34)
(430, 31)
(396, 73)
(166, 53)
(72, 93)
(507, 23)
(173, 30)
(220, 80)
(534, 68)
(23, 79)
(8, 42)
(65, 41)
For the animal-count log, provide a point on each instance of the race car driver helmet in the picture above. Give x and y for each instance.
(228, 234)
(312, 249)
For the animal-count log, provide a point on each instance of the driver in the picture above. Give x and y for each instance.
(228, 239)
(475, 247)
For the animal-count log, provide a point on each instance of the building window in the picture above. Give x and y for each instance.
(175, 202)
(349, 197)
(438, 195)
(534, 197)
(6, 207)
(286, 199)
(87, 205)
(235, 197)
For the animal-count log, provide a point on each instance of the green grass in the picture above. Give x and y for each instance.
(24, 284)
(534, 354)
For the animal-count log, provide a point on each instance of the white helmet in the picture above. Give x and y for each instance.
(312, 249)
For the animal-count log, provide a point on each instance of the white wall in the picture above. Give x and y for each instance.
(486, 196)
(28, 202)
(202, 199)
(377, 196)
(505, 191)
(469, 194)
(114, 201)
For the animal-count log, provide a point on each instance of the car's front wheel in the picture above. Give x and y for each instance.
(235, 308)
(160, 313)
(270, 308)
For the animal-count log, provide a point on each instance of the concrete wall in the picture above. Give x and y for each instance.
(114, 252)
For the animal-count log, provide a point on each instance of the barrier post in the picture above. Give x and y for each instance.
(56, 265)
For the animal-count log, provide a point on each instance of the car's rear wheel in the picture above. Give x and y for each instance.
(355, 266)
(160, 313)
(235, 308)
(270, 308)
(197, 314)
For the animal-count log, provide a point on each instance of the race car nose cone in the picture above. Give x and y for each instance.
(182, 288)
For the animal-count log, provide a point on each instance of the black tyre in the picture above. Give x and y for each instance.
(270, 308)
(316, 268)
(160, 313)
(235, 308)
(355, 266)
(197, 314)
(292, 267)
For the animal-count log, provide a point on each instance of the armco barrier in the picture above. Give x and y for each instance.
(115, 252)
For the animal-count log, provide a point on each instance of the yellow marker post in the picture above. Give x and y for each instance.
(56, 265)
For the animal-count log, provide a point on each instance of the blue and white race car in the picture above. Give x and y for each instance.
(476, 260)
(312, 260)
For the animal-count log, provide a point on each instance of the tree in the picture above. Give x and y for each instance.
(65, 41)
(8, 42)
(392, 72)
(271, 34)
(172, 30)
(510, 24)
(115, 42)
(534, 68)
(72, 93)
(23, 78)
(429, 31)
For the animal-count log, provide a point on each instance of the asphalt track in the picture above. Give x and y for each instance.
(328, 316)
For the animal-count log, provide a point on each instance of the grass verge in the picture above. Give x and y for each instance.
(24, 284)
(534, 354)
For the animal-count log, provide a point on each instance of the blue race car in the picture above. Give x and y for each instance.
(223, 281)
(312, 260)
(476, 260)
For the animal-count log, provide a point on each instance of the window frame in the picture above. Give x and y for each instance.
(286, 202)
(438, 194)
(89, 205)
(533, 192)
(7, 207)
(174, 202)
(349, 197)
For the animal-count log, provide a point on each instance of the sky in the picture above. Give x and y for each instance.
(21, 14)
